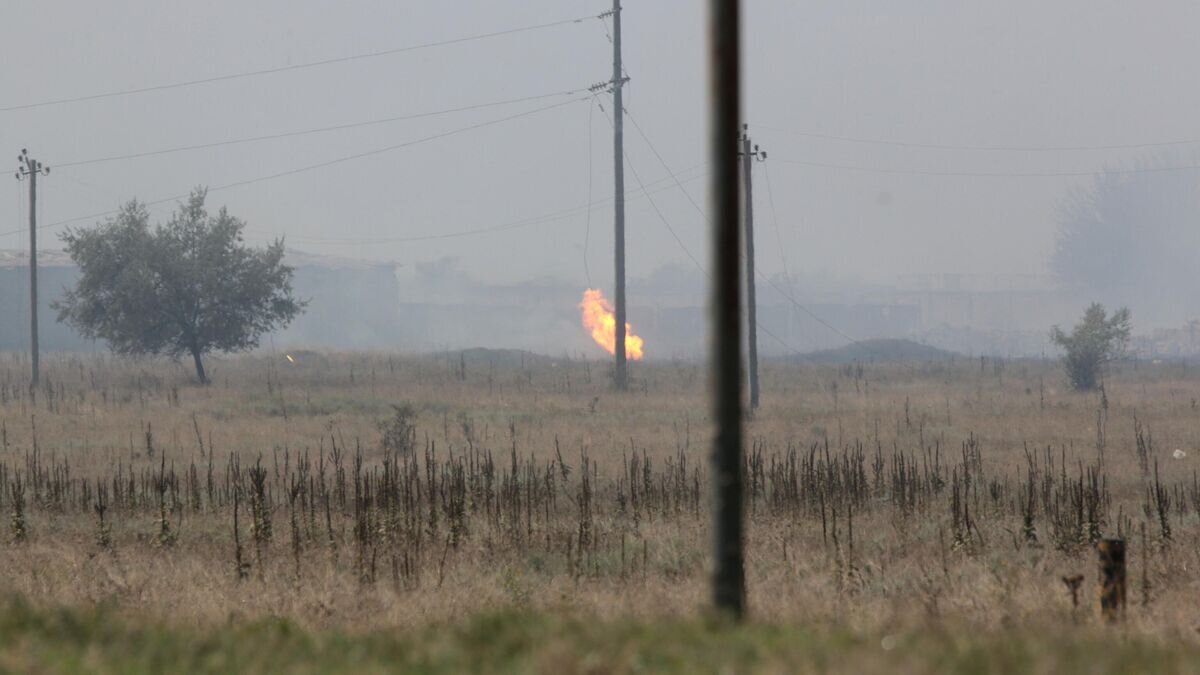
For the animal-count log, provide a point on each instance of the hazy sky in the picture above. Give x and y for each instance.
(927, 72)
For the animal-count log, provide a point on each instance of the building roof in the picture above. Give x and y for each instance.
(46, 258)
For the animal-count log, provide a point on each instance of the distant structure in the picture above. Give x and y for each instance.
(432, 307)
(1171, 342)
(55, 272)
(986, 301)
(353, 304)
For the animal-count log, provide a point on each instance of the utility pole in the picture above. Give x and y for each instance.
(621, 376)
(751, 299)
(729, 573)
(30, 167)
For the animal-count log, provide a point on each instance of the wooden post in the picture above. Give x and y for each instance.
(728, 577)
(1112, 578)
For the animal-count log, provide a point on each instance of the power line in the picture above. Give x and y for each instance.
(662, 218)
(537, 220)
(979, 148)
(991, 174)
(512, 225)
(667, 168)
(339, 160)
(670, 229)
(759, 273)
(317, 130)
(527, 222)
(349, 241)
(397, 146)
(775, 220)
(297, 66)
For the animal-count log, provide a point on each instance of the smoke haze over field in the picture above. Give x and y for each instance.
(991, 115)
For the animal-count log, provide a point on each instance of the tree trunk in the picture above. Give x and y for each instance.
(199, 367)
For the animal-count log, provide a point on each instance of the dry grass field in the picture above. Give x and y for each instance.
(507, 512)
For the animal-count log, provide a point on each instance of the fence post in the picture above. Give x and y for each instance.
(1112, 578)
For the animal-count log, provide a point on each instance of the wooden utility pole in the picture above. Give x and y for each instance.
(729, 575)
(751, 296)
(30, 167)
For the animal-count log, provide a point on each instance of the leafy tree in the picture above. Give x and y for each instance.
(1095, 341)
(190, 286)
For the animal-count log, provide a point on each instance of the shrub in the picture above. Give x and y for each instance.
(1095, 340)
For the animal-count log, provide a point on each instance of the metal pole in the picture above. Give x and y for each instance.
(729, 578)
(621, 372)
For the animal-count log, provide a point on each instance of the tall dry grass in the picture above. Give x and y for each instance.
(368, 490)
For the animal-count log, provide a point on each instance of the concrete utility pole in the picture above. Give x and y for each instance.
(729, 575)
(621, 377)
(30, 167)
(751, 299)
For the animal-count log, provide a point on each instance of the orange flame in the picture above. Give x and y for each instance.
(598, 318)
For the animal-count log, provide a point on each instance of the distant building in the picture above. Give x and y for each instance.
(431, 307)
(446, 309)
(56, 272)
(1171, 342)
(352, 303)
